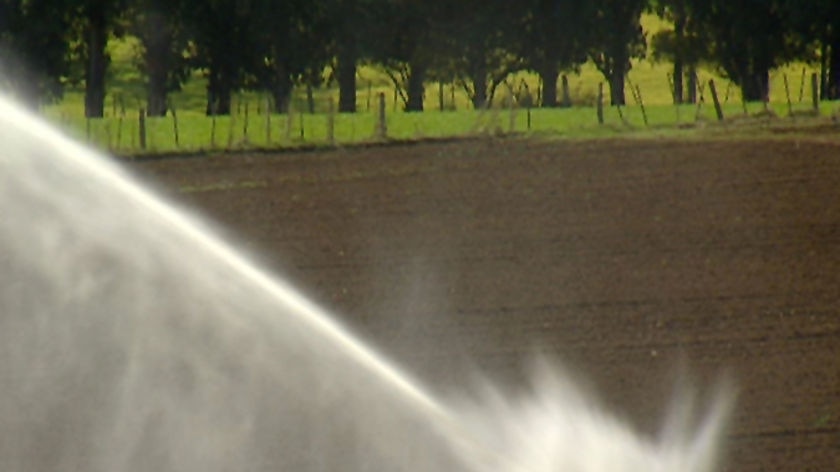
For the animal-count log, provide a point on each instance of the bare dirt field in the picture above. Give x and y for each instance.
(627, 259)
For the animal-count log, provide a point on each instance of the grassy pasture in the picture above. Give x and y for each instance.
(198, 132)
(119, 129)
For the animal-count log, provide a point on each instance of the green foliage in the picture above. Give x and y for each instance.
(34, 52)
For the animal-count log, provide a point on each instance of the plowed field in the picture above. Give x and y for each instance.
(628, 260)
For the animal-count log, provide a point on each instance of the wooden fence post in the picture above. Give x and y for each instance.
(302, 131)
(529, 116)
(715, 100)
(815, 93)
(638, 95)
(381, 131)
(267, 121)
(289, 122)
(331, 122)
(765, 94)
(787, 95)
(700, 97)
(142, 128)
(212, 125)
(120, 119)
(512, 111)
(232, 124)
(245, 124)
(175, 127)
(802, 86)
(599, 104)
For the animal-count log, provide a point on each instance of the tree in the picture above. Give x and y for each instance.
(685, 45)
(749, 38)
(816, 29)
(351, 24)
(34, 52)
(276, 37)
(617, 38)
(161, 27)
(480, 48)
(225, 45)
(95, 21)
(408, 30)
(555, 36)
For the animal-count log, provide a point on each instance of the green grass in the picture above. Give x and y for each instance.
(198, 132)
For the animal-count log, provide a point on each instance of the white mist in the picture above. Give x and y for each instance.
(133, 339)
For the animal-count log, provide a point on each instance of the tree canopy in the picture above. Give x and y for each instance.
(272, 45)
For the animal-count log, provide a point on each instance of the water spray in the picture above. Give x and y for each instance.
(133, 339)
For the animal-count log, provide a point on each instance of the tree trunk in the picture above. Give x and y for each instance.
(678, 81)
(219, 90)
(479, 98)
(834, 70)
(691, 87)
(548, 76)
(415, 87)
(281, 90)
(824, 70)
(679, 39)
(97, 37)
(754, 86)
(310, 99)
(158, 42)
(617, 87)
(347, 80)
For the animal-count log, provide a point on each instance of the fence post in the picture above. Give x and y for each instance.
(381, 127)
(142, 128)
(700, 97)
(641, 104)
(718, 109)
(600, 103)
(212, 125)
(815, 95)
(765, 94)
(529, 116)
(245, 124)
(440, 96)
(232, 123)
(119, 129)
(289, 122)
(802, 86)
(175, 126)
(787, 95)
(267, 121)
(512, 111)
(302, 130)
(331, 122)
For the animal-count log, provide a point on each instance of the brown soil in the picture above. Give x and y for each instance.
(626, 259)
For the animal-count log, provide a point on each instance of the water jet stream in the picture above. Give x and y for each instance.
(133, 339)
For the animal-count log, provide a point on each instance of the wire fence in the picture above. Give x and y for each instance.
(252, 125)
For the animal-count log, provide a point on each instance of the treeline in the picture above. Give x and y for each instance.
(274, 45)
